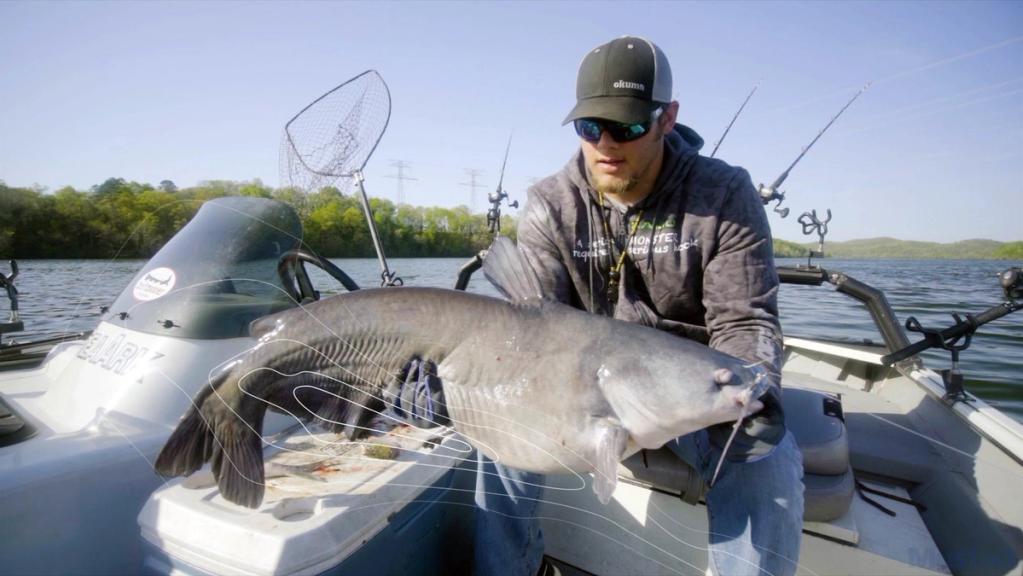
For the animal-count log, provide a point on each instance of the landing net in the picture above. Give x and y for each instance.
(330, 140)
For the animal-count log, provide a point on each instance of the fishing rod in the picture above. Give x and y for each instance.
(772, 193)
(734, 118)
(493, 221)
(494, 213)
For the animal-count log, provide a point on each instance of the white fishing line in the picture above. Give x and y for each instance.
(369, 360)
(709, 532)
(943, 110)
(263, 341)
(944, 445)
(230, 362)
(236, 358)
(108, 421)
(548, 518)
(898, 75)
(109, 262)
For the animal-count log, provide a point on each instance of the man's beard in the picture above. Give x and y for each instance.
(612, 186)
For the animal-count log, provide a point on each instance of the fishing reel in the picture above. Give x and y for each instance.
(1012, 283)
(14, 323)
(494, 213)
(7, 283)
(770, 194)
(495, 197)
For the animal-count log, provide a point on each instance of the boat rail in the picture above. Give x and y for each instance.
(981, 416)
(875, 300)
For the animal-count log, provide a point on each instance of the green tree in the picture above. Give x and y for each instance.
(121, 218)
(255, 188)
(786, 249)
(1010, 251)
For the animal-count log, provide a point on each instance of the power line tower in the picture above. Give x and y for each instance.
(473, 185)
(401, 165)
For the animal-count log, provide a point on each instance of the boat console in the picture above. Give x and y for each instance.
(78, 431)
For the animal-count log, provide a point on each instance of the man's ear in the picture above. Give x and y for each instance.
(669, 116)
(666, 121)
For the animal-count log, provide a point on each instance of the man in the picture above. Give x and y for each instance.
(640, 227)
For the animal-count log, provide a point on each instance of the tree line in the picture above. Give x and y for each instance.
(122, 219)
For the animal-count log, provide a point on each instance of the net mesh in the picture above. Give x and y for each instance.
(334, 136)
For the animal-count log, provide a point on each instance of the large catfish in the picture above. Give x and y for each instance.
(532, 383)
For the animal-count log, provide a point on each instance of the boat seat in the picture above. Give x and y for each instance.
(815, 420)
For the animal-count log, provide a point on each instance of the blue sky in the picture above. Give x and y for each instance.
(200, 91)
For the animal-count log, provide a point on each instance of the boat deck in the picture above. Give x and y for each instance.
(887, 455)
(656, 533)
(903, 435)
(882, 438)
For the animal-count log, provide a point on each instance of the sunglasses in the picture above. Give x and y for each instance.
(590, 129)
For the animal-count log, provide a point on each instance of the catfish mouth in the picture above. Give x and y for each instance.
(757, 380)
(734, 394)
(761, 380)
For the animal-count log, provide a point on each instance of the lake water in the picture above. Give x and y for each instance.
(66, 295)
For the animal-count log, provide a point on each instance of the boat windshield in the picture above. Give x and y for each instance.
(216, 275)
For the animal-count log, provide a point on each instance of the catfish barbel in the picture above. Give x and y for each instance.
(532, 383)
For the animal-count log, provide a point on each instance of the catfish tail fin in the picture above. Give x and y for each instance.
(187, 449)
(191, 443)
(238, 462)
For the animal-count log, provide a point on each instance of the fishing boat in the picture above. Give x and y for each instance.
(81, 419)
(906, 472)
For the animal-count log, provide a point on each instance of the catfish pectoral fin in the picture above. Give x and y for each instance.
(612, 441)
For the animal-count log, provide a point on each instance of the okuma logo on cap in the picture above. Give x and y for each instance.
(632, 85)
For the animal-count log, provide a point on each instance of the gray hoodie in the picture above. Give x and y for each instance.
(700, 264)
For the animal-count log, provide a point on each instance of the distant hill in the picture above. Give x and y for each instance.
(893, 248)
(786, 249)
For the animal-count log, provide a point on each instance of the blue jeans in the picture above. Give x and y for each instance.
(755, 511)
(508, 538)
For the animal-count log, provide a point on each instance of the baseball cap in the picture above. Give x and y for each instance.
(622, 81)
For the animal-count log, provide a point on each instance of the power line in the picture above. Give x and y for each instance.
(401, 165)
(473, 185)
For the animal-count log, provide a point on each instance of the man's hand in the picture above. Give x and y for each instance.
(417, 395)
(759, 433)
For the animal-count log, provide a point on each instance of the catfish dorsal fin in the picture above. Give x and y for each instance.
(508, 271)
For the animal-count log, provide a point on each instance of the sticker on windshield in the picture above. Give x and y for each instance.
(154, 284)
